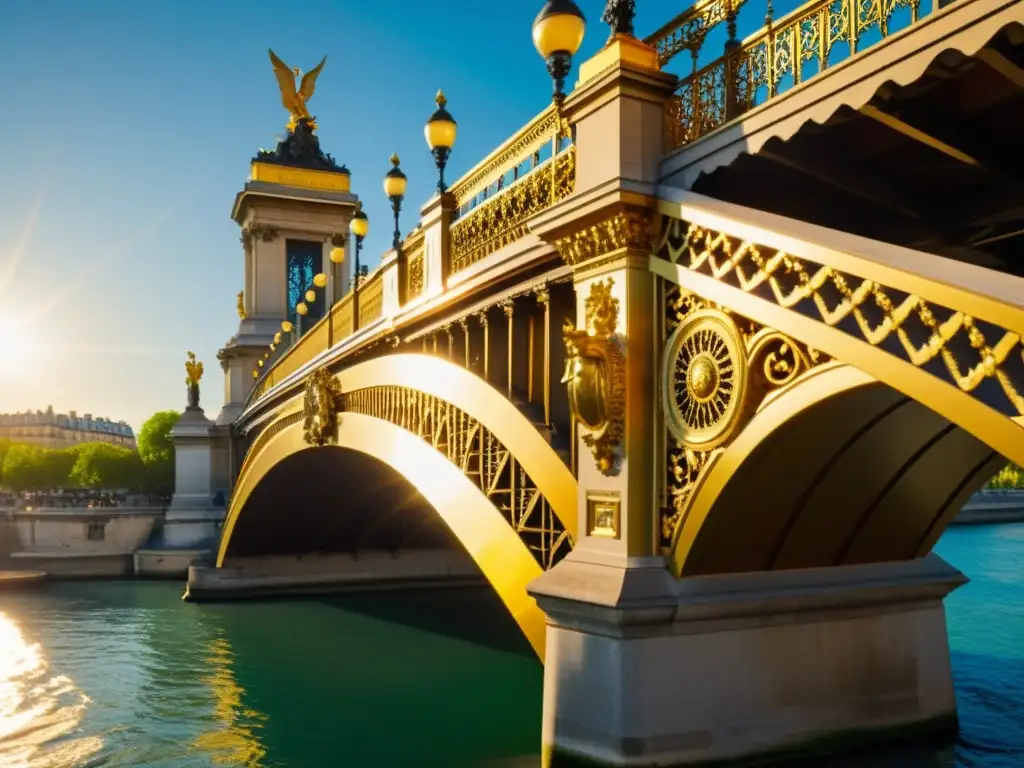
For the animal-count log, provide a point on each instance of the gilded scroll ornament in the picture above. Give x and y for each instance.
(323, 401)
(595, 376)
(416, 275)
(717, 369)
(630, 228)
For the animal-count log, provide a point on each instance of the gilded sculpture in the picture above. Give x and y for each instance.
(595, 376)
(295, 100)
(323, 402)
(193, 373)
(240, 305)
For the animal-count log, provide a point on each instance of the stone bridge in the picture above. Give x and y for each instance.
(694, 370)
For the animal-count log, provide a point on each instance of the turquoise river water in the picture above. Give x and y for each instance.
(125, 674)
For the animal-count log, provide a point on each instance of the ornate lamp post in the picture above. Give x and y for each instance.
(360, 227)
(301, 310)
(557, 34)
(337, 257)
(394, 187)
(440, 131)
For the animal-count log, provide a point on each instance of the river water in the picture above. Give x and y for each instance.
(125, 674)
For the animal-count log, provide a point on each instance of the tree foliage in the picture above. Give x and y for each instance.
(156, 447)
(25, 467)
(101, 465)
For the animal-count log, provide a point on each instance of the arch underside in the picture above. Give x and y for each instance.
(378, 486)
(424, 455)
(853, 472)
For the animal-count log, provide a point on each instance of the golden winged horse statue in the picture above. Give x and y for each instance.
(295, 100)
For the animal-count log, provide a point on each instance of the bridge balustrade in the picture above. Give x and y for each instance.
(776, 58)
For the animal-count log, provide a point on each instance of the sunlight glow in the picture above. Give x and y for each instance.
(17, 354)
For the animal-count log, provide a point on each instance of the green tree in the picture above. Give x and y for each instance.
(5, 444)
(101, 465)
(25, 468)
(57, 464)
(157, 450)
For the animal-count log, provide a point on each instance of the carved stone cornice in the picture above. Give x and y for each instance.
(628, 228)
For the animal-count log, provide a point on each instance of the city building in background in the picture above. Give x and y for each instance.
(63, 430)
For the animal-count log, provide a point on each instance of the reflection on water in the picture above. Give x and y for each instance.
(235, 743)
(37, 709)
(123, 675)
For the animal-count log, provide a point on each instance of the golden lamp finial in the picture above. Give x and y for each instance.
(440, 99)
(394, 159)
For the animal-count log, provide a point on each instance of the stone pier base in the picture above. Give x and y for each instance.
(295, 575)
(644, 670)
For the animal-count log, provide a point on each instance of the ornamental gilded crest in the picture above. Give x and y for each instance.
(595, 376)
(324, 400)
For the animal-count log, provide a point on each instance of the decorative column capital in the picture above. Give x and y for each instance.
(508, 307)
(543, 294)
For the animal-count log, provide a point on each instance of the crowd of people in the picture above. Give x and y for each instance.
(75, 498)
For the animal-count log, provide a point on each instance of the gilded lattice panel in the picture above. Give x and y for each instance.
(502, 219)
(977, 357)
(465, 442)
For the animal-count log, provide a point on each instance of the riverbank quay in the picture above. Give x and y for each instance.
(996, 506)
(104, 542)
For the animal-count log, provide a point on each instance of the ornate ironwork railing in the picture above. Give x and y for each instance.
(687, 31)
(415, 275)
(473, 448)
(516, 157)
(502, 219)
(371, 298)
(781, 55)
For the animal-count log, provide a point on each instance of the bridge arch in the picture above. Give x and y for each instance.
(910, 401)
(466, 450)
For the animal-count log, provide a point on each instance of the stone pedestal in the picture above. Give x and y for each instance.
(644, 670)
(192, 520)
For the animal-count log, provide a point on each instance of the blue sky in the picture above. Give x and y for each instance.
(129, 128)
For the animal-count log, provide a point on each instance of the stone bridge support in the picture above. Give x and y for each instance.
(646, 669)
